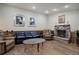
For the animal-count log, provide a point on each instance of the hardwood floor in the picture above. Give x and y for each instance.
(49, 48)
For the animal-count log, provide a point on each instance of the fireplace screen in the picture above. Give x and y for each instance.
(61, 33)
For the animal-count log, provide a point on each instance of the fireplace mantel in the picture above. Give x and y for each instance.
(62, 27)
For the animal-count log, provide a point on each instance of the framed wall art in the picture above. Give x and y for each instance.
(61, 19)
(19, 21)
(32, 21)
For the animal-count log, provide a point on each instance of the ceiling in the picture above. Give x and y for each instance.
(42, 7)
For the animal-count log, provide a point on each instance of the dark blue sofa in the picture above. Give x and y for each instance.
(23, 35)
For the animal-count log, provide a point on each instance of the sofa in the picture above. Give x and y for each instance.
(23, 35)
(8, 42)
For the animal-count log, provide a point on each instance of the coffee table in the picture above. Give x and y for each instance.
(34, 41)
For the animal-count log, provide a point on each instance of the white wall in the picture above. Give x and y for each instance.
(7, 14)
(71, 17)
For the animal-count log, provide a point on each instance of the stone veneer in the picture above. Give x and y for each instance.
(62, 27)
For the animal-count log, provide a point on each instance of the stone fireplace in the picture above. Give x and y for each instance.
(62, 32)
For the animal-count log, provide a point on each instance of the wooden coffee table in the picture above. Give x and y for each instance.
(34, 41)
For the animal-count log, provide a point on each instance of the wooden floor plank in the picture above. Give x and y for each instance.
(49, 48)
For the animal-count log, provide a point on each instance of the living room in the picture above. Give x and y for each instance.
(26, 25)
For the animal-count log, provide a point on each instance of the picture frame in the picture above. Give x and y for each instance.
(32, 21)
(19, 21)
(61, 19)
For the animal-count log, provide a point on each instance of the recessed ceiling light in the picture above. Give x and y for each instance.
(66, 6)
(55, 9)
(33, 7)
(46, 11)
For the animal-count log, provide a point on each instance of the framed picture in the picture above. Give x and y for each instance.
(19, 21)
(32, 21)
(61, 19)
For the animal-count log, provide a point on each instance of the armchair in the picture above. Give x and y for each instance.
(6, 42)
(47, 35)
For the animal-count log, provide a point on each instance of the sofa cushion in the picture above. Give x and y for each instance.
(8, 42)
(9, 38)
(28, 34)
(34, 34)
(20, 34)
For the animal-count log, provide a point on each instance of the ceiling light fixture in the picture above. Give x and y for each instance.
(55, 9)
(33, 7)
(46, 11)
(66, 6)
